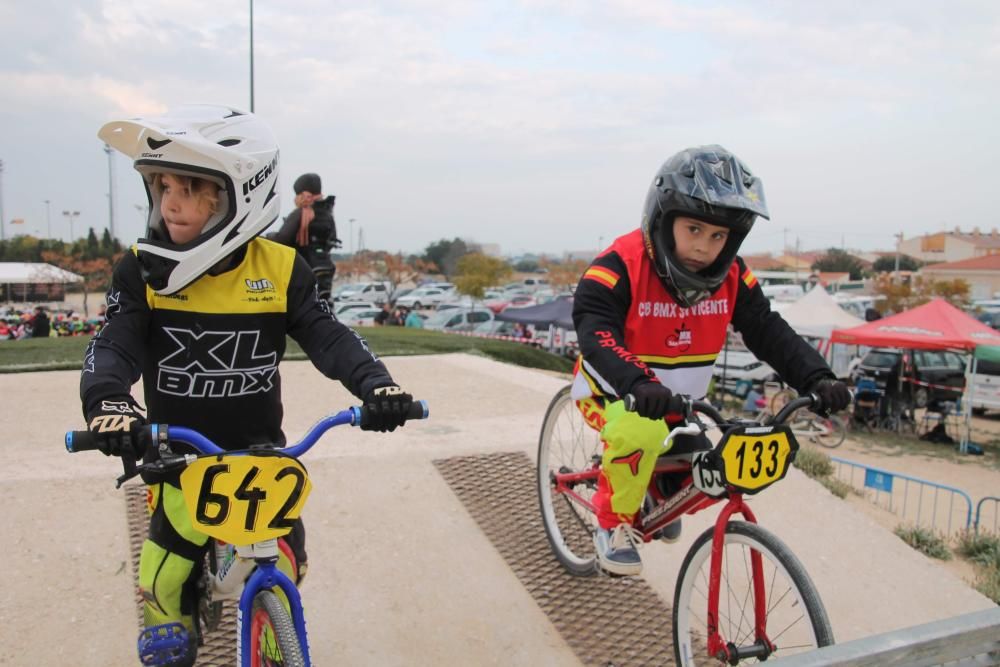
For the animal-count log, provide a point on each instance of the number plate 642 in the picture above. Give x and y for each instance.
(754, 457)
(245, 499)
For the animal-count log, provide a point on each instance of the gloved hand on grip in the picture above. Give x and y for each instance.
(833, 394)
(386, 408)
(653, 400)
(115, 424)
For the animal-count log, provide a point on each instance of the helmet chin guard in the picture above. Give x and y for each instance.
(235, 150)
(710, 184)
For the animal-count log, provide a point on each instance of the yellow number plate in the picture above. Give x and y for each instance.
(754, 457)
(245, 499)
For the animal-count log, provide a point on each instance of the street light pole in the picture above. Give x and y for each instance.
(71, 215)
(2, 228)
(111, 191)
(48, 219)
(350, 239)
(251, 56)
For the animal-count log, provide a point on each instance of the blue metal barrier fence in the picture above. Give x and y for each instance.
(995, 528)
(911, 498)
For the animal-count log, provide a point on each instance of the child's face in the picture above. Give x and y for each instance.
(697, 243)
(185, 213)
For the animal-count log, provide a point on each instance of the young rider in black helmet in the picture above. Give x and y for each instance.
(200, 309)
(651, 314)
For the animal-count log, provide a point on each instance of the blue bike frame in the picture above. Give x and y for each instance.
(266, 576)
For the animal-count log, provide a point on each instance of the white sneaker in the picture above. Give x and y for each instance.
(617, 550)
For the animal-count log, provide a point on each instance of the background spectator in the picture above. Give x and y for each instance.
(40, 323)
(311, 229)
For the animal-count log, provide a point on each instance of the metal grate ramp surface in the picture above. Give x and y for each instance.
(220, 646)
(606, 621)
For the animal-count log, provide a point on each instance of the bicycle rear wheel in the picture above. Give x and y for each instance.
(568, 445)
(796, 619)
(273, 640)
(830, 431)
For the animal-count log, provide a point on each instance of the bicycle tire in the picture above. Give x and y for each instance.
(566, 443)
(831, 431)
(796, 618)
(781, 399)
(282, 646)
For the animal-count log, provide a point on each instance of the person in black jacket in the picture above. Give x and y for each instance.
(200, 310)
(651, 314)
(40, 323)
(312, 230)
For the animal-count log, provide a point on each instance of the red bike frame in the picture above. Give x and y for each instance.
(690, 500)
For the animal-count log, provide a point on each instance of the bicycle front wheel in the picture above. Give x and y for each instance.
(796, 620)
(568, 445)
(273, 640)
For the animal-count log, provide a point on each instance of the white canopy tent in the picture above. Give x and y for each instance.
(816, 315)
(18, 273)
(34, 281)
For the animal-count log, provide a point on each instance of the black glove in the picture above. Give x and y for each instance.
(337, 243)
(834, 396)
(115, 424)
(386, 408)
(652, 400)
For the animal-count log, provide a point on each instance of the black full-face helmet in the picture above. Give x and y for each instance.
(710, 184)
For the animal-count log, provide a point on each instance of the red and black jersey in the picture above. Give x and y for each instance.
(208, 355)
(631, 330)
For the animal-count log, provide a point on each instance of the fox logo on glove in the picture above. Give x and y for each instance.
(111, 423)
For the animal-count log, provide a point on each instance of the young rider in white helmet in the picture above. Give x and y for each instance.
(200, 309)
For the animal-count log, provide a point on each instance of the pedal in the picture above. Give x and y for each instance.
(166, 644)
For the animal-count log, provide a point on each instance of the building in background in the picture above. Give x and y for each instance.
(952, 246)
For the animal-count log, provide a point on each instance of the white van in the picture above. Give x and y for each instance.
(375, 292)
(983, 386)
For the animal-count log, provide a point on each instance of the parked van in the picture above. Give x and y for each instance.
(984, 386)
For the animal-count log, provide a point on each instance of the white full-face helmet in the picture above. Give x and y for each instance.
(231, 148)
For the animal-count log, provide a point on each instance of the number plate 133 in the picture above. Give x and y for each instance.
(245, 499)
(754, 457)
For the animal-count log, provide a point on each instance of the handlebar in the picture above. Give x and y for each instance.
(685, 407)
(81, 441)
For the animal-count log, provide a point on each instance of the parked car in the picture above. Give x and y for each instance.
(929, 376)
(400, 291)
(446, 286)
(341, 308)
(741, 369)
(423, 297)
(363, 317)
(375, 292)
(526, 285)
(457, 319)
(984, 386)
(494, 328)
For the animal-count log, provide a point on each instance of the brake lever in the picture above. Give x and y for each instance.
(129, 470)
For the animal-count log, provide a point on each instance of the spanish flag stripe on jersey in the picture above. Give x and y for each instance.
(749, 278)
(606, 277)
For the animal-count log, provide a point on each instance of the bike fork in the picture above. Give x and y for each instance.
(268, 576)
(717, 647)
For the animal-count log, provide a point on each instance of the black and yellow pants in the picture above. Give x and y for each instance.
(173, 554)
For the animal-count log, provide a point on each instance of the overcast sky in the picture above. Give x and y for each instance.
(536, 125)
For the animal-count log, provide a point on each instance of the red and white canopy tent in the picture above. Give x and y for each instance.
(936, 325)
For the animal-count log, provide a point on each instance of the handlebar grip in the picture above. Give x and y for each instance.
(418, 410)
(678, 404)
(81, 441)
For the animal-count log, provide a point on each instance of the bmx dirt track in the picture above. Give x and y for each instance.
(400, 574)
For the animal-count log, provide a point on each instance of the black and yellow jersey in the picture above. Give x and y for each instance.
(631, 330)
(208, 355)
